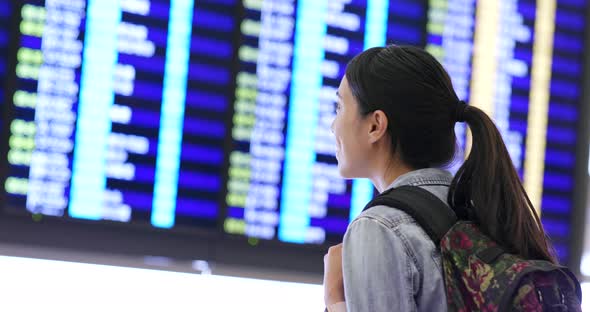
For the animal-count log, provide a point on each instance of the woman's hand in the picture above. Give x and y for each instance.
(333, 281)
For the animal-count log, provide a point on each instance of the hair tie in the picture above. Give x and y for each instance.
(460, 109)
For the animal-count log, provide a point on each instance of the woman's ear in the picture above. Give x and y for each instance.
(378, 124)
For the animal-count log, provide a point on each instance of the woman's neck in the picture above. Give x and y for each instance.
(387, 173)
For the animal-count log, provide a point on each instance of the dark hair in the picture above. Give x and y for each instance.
(416, 94)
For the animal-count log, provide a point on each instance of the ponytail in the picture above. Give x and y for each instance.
(489, 191)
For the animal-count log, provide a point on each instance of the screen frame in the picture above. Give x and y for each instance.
(582, 175)
(216, 246)
(140, 239)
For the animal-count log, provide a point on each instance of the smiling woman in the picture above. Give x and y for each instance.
(395, 121)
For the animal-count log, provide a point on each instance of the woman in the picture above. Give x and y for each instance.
(395, 121)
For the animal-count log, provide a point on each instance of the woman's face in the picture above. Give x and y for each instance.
(351, 131)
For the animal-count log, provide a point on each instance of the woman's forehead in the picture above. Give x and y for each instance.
(343, 89)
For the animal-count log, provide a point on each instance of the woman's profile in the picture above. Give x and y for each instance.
(395, 119)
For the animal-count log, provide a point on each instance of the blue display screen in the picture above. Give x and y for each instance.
(121, 109)
(216, 114)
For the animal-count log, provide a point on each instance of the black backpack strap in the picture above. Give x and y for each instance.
(432, 214)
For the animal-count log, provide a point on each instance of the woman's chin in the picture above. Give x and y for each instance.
(344, 172)
(348, 173)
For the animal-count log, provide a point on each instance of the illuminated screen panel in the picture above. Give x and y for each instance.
(119, 110)
(563, 119)
(562, 134)
(283, 177)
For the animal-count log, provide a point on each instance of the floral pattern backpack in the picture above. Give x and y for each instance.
(478, 274)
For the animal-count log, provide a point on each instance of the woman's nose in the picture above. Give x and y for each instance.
(332, 126)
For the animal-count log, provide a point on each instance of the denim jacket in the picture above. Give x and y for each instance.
(388, 262)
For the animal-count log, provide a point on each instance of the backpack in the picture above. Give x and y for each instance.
(478, 274)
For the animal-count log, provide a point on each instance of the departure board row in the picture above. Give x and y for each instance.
(216, 114)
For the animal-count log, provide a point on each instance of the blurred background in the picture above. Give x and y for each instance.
(177, 155)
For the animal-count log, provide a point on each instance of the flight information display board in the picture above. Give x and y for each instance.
(216, 115)
(119, 111)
